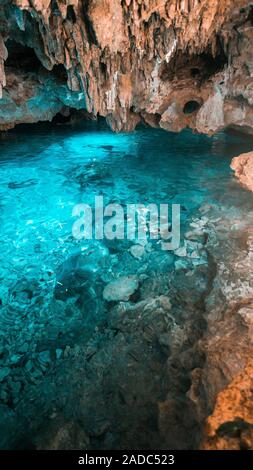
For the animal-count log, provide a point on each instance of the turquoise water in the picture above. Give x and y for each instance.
(44, 174)
(51, 284)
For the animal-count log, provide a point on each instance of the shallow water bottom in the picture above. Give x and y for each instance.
(78, 370)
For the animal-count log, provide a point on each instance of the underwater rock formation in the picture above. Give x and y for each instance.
(121, 289)
(172, 64)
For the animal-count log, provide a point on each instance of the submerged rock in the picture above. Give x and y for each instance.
(78, 274)
(121, 289)
(4, 372)
(137, 251)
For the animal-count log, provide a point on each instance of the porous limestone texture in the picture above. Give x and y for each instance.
(243, 168)
(172, 64)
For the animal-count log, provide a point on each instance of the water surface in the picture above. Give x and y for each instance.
(51, 285)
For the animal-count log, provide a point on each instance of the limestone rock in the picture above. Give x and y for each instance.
(231, 424)
(172, 64)
(121, 289)
(243, 168)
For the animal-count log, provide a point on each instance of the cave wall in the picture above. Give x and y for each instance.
(173, 64)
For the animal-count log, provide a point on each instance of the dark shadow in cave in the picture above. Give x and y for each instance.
(250, 15)
(60, 72)
(22, 57)
(88, 24)
(71, 16)
(196, 66)
(191, 107)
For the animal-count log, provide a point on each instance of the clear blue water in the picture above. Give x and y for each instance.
(44, 172)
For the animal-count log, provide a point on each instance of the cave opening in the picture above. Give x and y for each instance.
(193, 66)
(195, 71)
(191, 107)
(69, 115)
(22, 57)
(62, 117)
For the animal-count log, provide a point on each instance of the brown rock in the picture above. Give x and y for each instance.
(231, 424)
(243, 167)
(173, 64)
